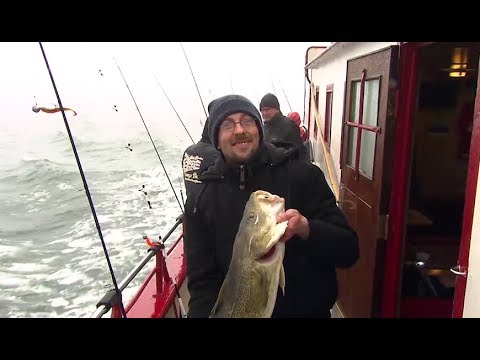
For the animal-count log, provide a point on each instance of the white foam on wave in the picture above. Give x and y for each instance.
(40, 289)
(67, 276)
(81, 229)
(59, 241)
(12, 280)
(58, 302)
(43, 194)
(9, 250)
(64, 186)
(73, 277)
(28, 268)
(5, 296)
(105, 218)
(68, 251)
(84, 243)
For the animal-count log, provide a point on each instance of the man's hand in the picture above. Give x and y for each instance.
(297, 225)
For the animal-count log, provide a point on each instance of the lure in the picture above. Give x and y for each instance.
(36, 109)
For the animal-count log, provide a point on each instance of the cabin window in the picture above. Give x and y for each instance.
(328, 116)
(317, 101)
(370, 118)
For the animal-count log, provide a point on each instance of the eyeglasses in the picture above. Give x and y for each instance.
(229, 125)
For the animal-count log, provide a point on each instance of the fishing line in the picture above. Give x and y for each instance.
(87, 191)
(148, 132)
(173, 107)
(198, 91)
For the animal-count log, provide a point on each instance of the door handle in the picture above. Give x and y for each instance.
(458, 270)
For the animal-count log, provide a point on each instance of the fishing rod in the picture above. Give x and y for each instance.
(148, 132)
(288, 102)
(156, 246)
(85, 185)
(181, 191)
(173, 107)
(188, 62)
(273, 86)
(161, 244)
(231, 85)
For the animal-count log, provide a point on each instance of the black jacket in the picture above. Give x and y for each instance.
(283, 132)
(212, 219)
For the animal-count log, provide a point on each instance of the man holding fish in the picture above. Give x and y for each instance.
(234, 250)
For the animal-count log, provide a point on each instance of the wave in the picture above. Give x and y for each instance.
(47, 219)
(40, 171)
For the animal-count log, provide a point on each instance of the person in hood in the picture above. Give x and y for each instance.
(196, 159)
(318, 239)
(295, 116)
(279, 129)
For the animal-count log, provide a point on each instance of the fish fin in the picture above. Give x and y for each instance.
(215, 310)
(281, 282)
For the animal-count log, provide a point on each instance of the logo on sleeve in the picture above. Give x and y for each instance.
(191, 165)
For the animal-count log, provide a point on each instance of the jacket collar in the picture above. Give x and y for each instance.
(275, 119)
(266, 153)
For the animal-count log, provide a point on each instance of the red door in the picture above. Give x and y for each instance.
(368, 134)
(461, 270)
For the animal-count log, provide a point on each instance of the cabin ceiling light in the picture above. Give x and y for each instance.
(458, 67)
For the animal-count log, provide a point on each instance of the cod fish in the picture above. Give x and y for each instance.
(250, 287)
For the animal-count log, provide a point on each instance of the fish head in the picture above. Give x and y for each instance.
(260, 229)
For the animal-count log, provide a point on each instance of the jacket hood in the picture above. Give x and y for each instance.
(205, 135)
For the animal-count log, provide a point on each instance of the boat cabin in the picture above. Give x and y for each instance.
(395, 128)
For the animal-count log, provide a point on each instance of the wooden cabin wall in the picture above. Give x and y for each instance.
(333, 70)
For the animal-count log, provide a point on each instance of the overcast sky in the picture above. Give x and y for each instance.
(89, 80)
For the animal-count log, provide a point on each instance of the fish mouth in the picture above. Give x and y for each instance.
(271, 254)
(278, 205)
(273, 248)
(268, 256)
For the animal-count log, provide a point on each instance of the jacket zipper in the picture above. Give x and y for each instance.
(242, 177)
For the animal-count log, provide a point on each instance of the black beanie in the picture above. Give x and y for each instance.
(210, 104)
(222, 107)
(270, 100)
